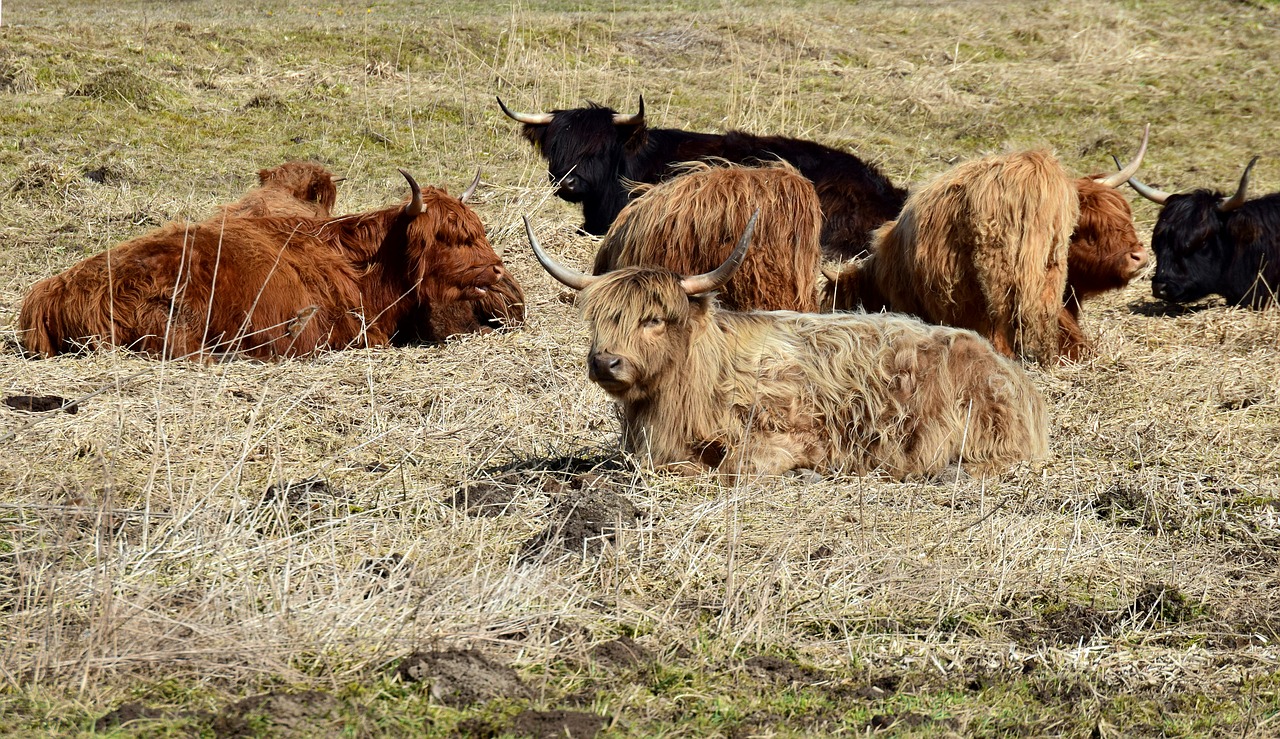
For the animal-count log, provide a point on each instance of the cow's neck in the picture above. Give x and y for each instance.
(691, 409)
(378, 251)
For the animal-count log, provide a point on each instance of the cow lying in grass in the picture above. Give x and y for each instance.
(267, 287)
(763, 393)
(1207, 243)
(991, 245)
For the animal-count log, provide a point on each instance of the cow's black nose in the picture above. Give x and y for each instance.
(1160, 290)
(569, 183)
(605, 367)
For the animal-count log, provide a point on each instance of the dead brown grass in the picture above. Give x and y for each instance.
(136, 540)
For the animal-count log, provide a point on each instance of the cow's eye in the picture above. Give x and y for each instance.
(651, 323)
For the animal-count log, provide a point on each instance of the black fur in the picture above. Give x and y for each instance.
(601, 157)
(1201, 251)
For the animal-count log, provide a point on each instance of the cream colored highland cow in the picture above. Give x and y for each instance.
(763, 393)
(690, 224)
(982, 246)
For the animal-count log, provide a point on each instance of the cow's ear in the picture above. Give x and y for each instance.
(263, 175)
(633, 136)
(700, 305)
(535, 133)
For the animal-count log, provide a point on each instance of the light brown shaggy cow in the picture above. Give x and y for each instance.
(689, 225)
(267, 287)
(302, 189)
(773, 391)
(987, 245)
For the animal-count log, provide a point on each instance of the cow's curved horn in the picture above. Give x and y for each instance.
(414, 207)
(471, 189)
(1147, 191)
(630, 120)
(830, 273)
(1237, 200)
(571, 277)
(1129, 170)
(335, 179)
(532, 119)
(714, 280)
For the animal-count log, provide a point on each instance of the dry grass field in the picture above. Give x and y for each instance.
(248, 549)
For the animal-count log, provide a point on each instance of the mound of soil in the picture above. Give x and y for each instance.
(460, 677)
(622, 652)
(127, 713)
(583, 522)
(40, 403)
(777, 669)
(309, 713)
(557, 723)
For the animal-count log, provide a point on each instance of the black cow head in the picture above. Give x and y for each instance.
(586, 149)
(1196, 253)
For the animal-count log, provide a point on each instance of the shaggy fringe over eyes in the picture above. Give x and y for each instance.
(690, 225)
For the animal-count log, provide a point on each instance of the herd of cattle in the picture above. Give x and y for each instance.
(708, 323)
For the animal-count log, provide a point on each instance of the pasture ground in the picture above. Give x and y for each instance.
(258, 549)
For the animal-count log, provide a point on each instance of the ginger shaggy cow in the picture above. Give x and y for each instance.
(267, 287)
(773, 391)
(988, 246)
(690, 224)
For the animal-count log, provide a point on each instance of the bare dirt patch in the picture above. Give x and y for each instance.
(460, 677)
(40, 403)
(557, 723)
(303, 714)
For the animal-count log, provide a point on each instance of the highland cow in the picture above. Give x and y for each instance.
(267, 287)
(770, 392)
(1207, 243)
(991, 245)
(690, 224)
(593, 154)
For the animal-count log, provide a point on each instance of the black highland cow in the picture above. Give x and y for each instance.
(1206, 243)
(592, 153)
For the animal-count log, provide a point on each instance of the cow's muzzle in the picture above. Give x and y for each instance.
(609, 371)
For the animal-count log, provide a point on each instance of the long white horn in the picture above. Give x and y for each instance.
(715, 279)
(1237, 200)
(533, 119)
(1129, 170)
(471, 189)
(571, 277)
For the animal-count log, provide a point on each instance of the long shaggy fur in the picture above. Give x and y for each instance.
(690, 225)
(767, 392)
(1105, 254)
(301, 189)
(983, 246)
(265, 287)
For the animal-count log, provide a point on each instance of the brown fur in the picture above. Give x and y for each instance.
(767, 392)
(1105, 254)
(246, 285)
(983, 246)
(301, 189)
(690, 225)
